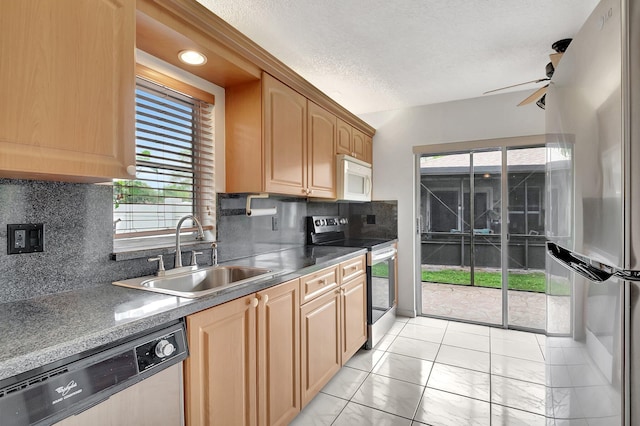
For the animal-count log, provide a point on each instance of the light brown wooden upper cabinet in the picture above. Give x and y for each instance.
(358, 144)
(368, 149)
(67, 81)
(353, 142)
(321, 161)
(344, 143)
(285, 138)
(278, 142)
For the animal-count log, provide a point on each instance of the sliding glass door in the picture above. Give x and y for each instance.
(526, 238)
(482, 236)
(460, 248)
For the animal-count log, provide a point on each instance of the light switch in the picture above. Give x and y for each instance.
(25, 238)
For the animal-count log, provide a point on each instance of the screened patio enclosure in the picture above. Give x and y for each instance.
(468, 240)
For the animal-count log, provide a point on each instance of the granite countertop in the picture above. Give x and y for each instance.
(46, 329)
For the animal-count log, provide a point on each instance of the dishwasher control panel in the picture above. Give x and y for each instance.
(53, 392)
(160, 350)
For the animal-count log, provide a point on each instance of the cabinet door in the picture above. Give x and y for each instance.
(368, 149)
(321, 161)
(320, 340)
(285, 138)
(279, 354)
(68, 84)
(354, 316)
(358, 144)
(220, 373)
(343, 138)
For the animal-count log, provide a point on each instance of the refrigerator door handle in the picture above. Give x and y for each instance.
(589, 268)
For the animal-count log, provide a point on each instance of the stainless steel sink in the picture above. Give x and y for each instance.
(200, 282)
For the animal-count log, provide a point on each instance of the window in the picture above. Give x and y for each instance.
(174, 164)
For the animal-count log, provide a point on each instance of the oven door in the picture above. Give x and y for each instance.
(382, 282)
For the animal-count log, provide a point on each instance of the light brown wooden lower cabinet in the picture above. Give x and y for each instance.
(259, 359)
(279, 354)
(244, 363)
(353, 303)
(333, 328)
(320, 339)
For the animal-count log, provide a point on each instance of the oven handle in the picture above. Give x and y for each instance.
(381, 255)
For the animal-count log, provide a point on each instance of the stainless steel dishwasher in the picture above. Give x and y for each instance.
(137, 380)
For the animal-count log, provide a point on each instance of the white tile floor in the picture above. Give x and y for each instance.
(436, 372)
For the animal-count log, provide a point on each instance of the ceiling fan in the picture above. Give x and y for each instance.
(539, 95)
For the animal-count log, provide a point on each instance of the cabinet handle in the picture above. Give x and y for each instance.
(254, 302)
(131, 170)
(323, 282)
(309, 191)
(266, 298)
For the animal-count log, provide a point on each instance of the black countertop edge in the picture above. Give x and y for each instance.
(50, 328)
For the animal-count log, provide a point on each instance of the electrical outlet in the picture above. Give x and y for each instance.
(274, 223)
(25, 238)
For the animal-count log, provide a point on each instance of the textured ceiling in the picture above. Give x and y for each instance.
(377, 55)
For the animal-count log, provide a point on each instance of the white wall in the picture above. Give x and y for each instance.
(398, 131)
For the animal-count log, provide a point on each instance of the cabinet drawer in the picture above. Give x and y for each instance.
(313, 285)
(352, 268)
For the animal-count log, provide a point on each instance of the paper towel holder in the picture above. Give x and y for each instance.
(259, 212)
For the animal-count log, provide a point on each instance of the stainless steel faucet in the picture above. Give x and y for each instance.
(200, 236)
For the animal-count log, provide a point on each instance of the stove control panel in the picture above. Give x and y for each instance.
(323, 224)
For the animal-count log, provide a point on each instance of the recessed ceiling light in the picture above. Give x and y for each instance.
(192, 57)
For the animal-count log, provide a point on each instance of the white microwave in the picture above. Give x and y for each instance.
(354, 179)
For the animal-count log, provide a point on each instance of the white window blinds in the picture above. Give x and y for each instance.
(174, 164)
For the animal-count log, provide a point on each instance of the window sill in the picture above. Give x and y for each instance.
(138, 248)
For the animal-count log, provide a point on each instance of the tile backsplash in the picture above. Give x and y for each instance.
(79, 241)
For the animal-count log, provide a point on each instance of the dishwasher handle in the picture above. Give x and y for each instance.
(591, 269)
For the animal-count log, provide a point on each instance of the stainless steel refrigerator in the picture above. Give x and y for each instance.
(593, 222)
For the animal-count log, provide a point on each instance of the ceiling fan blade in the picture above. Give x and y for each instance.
(555, 59)
(519, 84)
(534, 96)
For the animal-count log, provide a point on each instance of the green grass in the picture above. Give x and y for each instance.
(528, 281)
(380, 270)
(531, 281)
